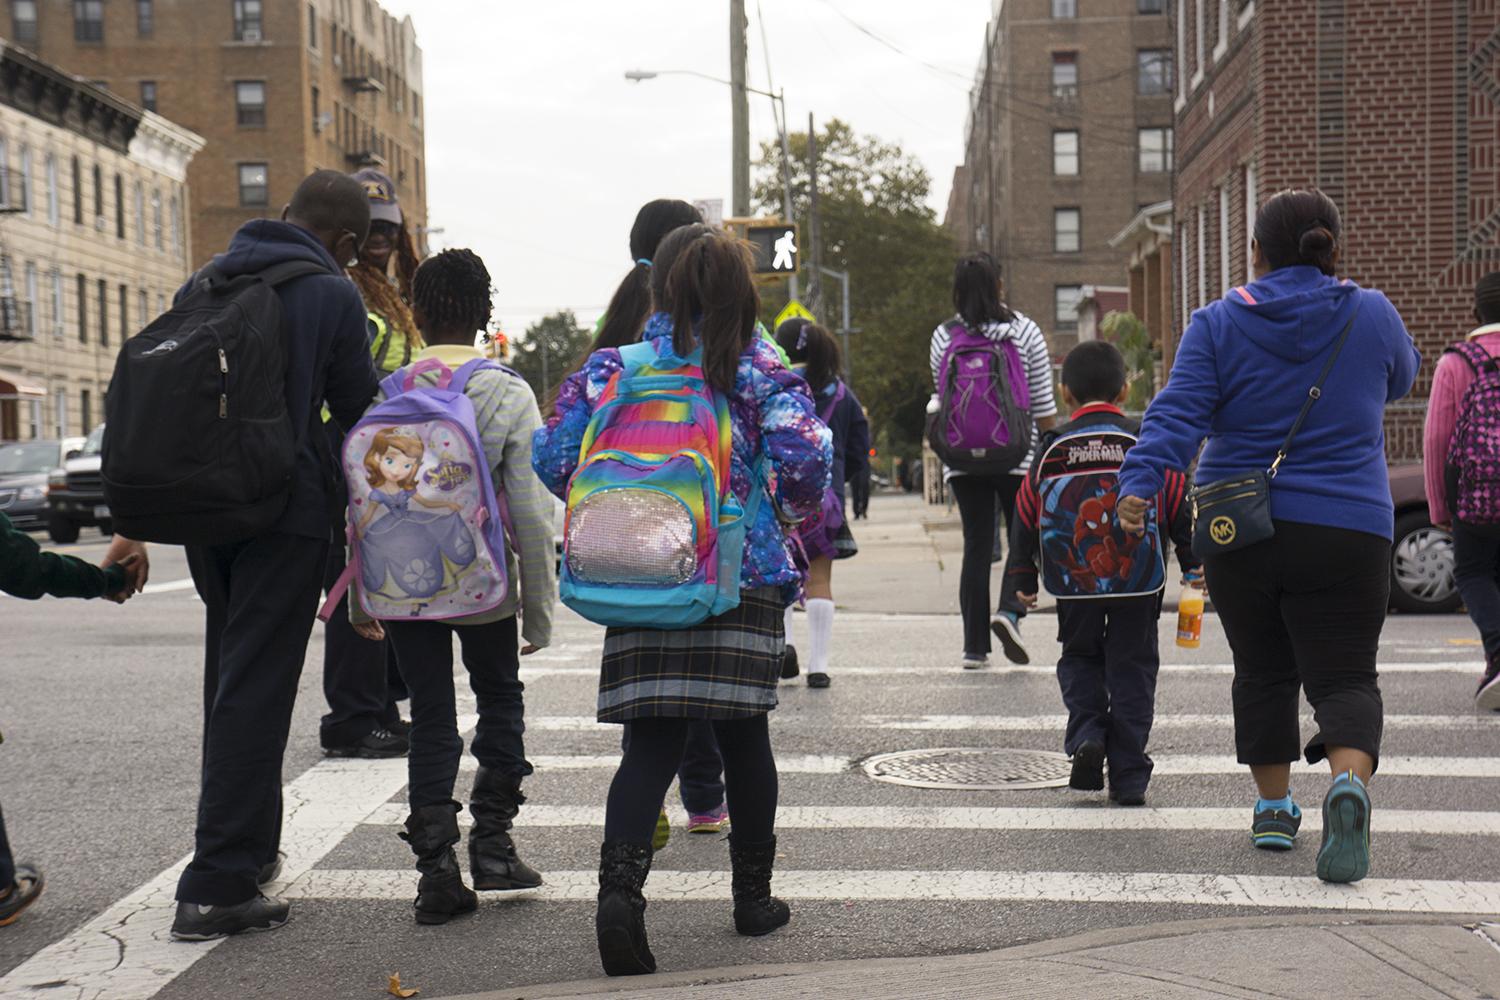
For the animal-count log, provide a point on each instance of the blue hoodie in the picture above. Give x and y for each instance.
(1242, 372)
(328, 357)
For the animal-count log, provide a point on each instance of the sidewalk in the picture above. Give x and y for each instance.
(1289, 957)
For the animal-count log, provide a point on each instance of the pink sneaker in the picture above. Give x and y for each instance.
(713, 821)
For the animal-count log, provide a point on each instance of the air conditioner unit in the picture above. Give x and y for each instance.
(101, 222)
(250, 35)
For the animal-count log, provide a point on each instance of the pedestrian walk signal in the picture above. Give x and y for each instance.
(777, 248)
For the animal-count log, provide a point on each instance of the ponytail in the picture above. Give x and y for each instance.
(976, 292)
(628, 310)
(710, 293)
(813, 346)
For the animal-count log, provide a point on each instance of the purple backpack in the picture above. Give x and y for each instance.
(427, 526)
(983, 423)
(1473, 470)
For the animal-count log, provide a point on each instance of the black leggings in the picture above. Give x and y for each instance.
(653, 756)
(1304, 608)
(979, 497)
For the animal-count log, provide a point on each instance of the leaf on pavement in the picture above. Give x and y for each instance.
(395, 988)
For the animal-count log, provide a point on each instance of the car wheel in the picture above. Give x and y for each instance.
(1422, 566)
(62, 531)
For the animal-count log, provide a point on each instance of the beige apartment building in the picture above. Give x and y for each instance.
(278, 88)
(93, 240)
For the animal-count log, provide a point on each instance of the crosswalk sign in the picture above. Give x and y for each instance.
(794, 310)
(775, 248)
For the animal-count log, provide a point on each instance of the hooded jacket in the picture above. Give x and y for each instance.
(1242, 373)
(328, 358)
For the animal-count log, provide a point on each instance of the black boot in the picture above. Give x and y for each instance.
(432, 831)
(621, 921)
(493, 863)
(756, 911)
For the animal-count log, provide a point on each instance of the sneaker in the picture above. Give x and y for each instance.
(716, 820)
(1088, 768)
(271, 870)
(399, 726)
(789, 665)
(663, 831)
(377, 744)
(1007, 629)
(1487, 696)
(1276, 829)
(21, 893)
(820, 679)
(1132, 798)
(200, 922)
(1345, 854)
(975, 661)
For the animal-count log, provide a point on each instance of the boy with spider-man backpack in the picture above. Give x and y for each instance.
(1108, 582)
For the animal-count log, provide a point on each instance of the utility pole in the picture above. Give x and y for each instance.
(846, 329)
(815, 222)
(739, 98)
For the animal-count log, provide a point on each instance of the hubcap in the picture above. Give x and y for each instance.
(1423, 565)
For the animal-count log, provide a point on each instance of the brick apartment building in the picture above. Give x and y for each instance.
(1392, 108)
(278, 88)
(1069, 137)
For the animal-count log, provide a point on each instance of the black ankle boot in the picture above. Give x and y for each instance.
(621, 921)
(493, 862)
(432, 831)
(756, 911)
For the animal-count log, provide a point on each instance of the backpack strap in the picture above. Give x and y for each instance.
(1475, 356)
(833, 403)
(405, 379)
(638, 355)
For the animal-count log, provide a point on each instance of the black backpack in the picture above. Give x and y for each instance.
(199, 447)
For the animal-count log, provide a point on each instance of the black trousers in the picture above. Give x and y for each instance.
(700, 778)
(491, 654)
(1476, 570)
(1304, 608)
(261, 598)
(980, 499)
(7, 861)
(356, 671)
(859, 490)
(1107, 674)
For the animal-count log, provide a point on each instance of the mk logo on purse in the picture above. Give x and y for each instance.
(1221, 530)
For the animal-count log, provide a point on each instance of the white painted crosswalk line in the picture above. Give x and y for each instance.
(1020, 723)
(1260, 891)
(785, 763)
(1087, 817)
(540, 665)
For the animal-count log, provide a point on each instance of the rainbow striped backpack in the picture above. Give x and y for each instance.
(654, 535)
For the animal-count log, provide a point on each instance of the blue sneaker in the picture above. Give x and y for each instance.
(1275, 829)
(1345, 854)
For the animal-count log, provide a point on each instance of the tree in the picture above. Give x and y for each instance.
(877, 226)
(545, 354)
(1134, 341)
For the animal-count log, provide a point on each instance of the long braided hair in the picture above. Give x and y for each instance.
(452, 290)
(390, 299)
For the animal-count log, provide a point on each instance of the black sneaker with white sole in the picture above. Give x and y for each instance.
(202, 922)
(377, 744)
(1009, 634)
(1088, 767)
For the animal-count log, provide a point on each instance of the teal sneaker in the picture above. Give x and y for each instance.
(1275, 829)
(1345, 854)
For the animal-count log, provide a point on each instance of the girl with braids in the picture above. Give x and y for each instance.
(451, 303)
(726, 669)
(815, 356)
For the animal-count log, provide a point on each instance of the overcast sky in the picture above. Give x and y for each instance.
(540, 152)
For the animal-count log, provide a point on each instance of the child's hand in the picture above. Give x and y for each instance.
(373, 631)
(132, 557)
(1132, 514)
(528, 649)
(1028, 601)
(1193, 578)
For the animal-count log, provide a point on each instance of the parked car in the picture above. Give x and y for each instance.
(1422, 553)
(75, 494)
(25, 470)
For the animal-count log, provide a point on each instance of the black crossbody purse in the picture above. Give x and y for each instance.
(1235, 512)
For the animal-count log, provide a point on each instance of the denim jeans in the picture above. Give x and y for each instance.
(1476, 570)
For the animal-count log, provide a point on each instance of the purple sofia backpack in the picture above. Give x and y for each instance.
(983, 423)
(1473, 469)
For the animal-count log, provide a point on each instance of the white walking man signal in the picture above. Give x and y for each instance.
(785, 248)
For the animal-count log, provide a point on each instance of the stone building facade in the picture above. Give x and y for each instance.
(93, 240)
(279, 88)
(1069, 137)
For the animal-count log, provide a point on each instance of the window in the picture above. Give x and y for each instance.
(4, 172)
(145, 18)
(148, 95)
(247, 23)
(1154, 71)
(1065, 154)
(176, 225)
(250, 103)
(1252, 206)
(119, 206)
(1181, 21)
(1224, 259)
(317, 110)
(254, 186)
(161, 303)
(1064, 8)
(1067, 225)
(140, 213)
(1065, 303)
(23, 20)
(1065, 75)
(1223, 42)
(156, 220)
(57, 303)
(25, 203)
(143, 306)
(1198, 33)
(54, 208)
(124, 314)
(1155, 150)
(1202, 257)
(1151, 6)
(83, 309)
(1182, 277)
(103, 312)
(98, 192)
(312, 26)
(88, 20)
(77, 192)
(85, 408)
(32, 294)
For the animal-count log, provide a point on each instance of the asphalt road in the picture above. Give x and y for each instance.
(100, 707)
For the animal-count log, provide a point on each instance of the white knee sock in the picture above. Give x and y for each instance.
(820, 623)
(790, 610)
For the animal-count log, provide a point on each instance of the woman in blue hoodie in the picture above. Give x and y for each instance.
(1306, 606)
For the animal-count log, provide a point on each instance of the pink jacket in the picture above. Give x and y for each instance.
(1449, 383)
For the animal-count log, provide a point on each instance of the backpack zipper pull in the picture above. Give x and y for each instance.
(223, 362)
(224, 396)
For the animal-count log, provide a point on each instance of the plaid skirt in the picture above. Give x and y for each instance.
(726, 668)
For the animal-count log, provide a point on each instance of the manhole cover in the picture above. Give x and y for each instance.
(971, 767)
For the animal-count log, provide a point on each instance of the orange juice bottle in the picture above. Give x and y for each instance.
(1190, 618)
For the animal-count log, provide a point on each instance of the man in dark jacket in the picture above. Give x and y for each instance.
(261, 595)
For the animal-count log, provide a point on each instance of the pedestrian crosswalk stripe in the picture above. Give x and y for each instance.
(1087, 816)
(1373, 895)
(1021, 723)
(1185, 764)
(537, 667)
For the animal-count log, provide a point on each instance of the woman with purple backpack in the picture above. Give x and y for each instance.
(984, 319)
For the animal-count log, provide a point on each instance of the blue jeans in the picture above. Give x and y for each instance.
(1476, 570)
(700, 776)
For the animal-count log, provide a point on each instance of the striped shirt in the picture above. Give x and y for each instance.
(1034, 357)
